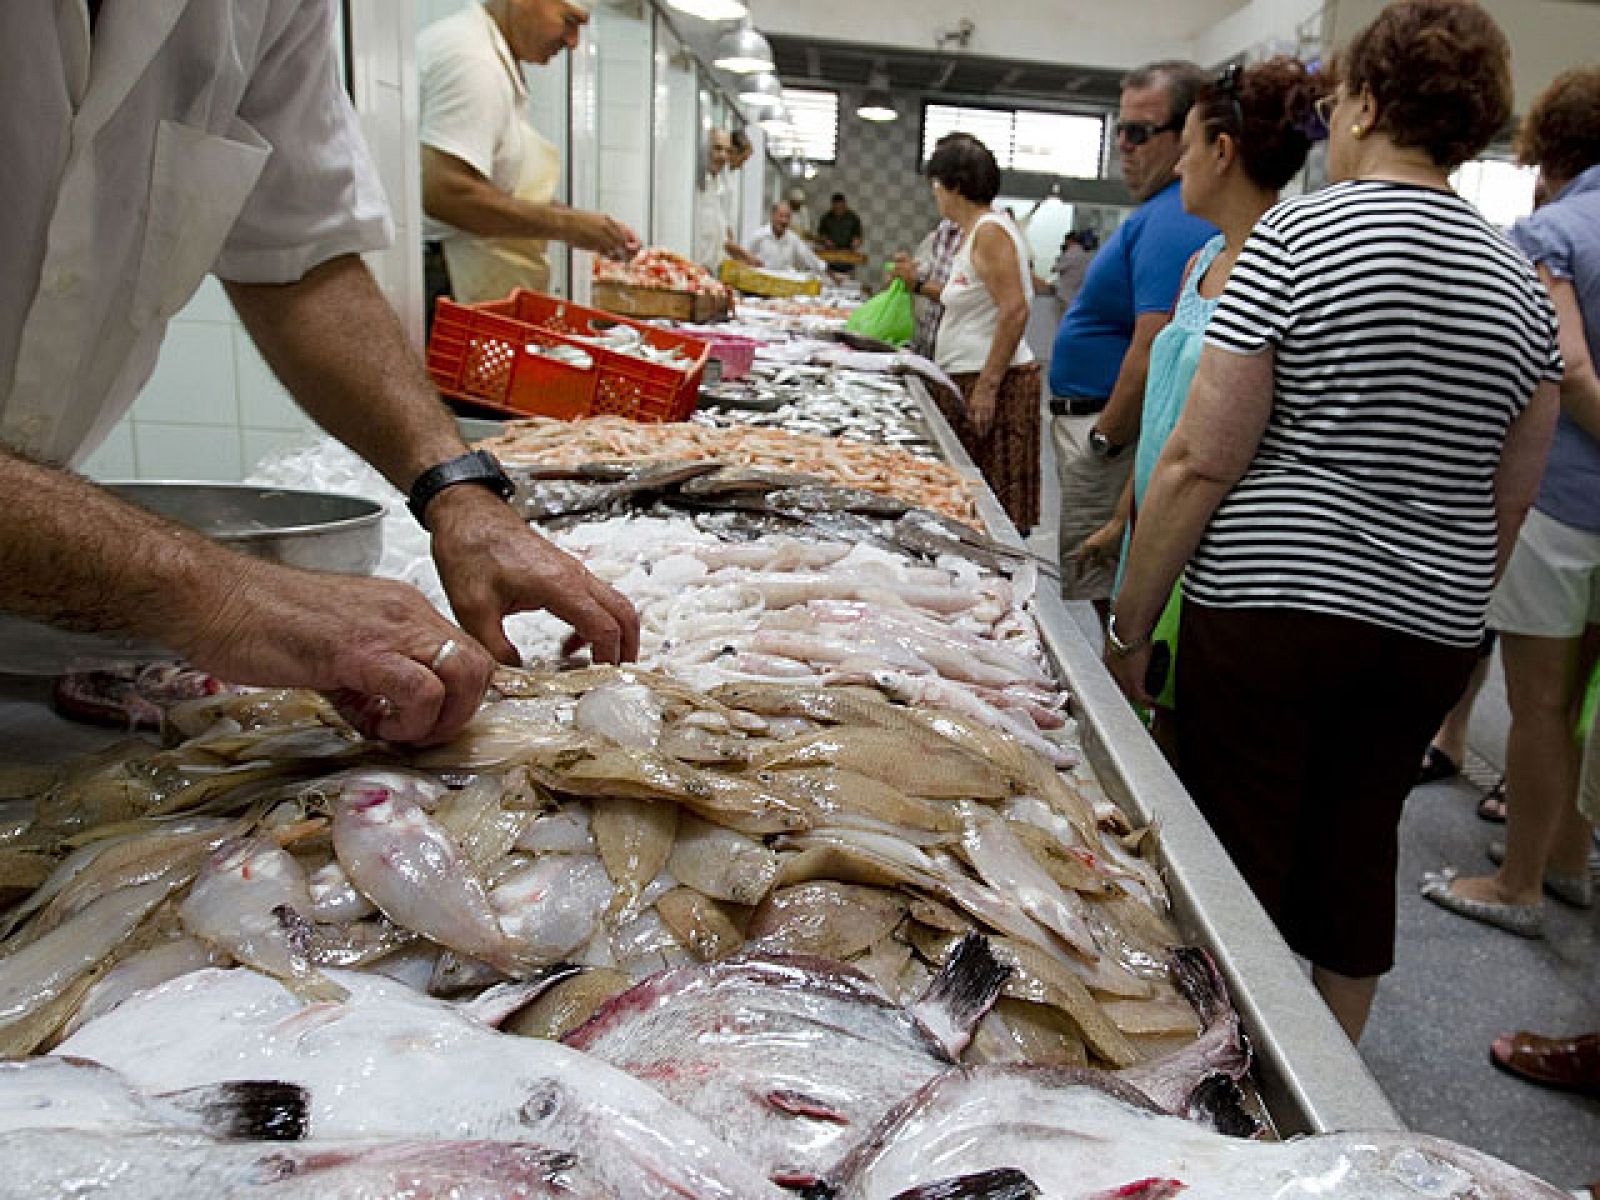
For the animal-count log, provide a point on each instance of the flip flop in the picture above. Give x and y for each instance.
(1437, 765)
(1492, 807)
(1524, 920)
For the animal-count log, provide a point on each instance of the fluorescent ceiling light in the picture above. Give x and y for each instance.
(742, 51)
(761, 91)
(711, 10)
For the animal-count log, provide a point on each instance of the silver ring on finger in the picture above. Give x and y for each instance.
(444, 654)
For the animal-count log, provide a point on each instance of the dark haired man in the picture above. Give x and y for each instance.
(1102, 350)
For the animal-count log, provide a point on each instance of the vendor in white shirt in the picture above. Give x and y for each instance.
(147, 143)
(780, 248)
(489, 178)
(714, 238)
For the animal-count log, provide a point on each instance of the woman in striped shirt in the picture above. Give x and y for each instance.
(1364, 435)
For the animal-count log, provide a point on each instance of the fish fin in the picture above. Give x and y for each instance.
(1004, 1183)
(1197, 977)
(317, 988)
(798, 1104)
(964, 989)
(248, 1110)
(1218, 1101)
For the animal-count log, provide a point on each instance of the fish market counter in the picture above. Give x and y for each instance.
(1310, 1076)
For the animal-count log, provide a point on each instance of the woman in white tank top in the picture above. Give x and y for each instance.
(980, 343)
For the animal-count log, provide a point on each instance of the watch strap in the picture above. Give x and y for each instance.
(1120, 648)
(476, 466)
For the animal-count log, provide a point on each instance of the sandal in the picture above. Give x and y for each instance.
(1436, 766)
(1492, 807)
(1524, 920)
(1576, 890)
(1567, 1064)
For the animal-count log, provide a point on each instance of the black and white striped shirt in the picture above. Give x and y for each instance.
(1408, 334)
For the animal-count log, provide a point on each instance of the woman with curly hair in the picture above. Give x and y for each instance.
(1364, 435)
(1547, 608)
(1246, 136)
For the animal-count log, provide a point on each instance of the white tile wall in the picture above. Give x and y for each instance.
(213, 409)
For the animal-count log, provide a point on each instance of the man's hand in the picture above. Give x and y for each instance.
(493, 565)
(1104, 546)
(602, 234)
(376, 647)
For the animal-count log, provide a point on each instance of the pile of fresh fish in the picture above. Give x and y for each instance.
(754, 1078)
(821, 400)
(887, 470)
(615, 819)
(801, 611)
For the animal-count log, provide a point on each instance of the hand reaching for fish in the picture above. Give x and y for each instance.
(493, 565)
(371, 644)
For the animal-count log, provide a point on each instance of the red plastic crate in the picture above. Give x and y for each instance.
(478, 353)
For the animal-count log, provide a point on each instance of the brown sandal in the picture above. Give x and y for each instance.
(1569, 1064)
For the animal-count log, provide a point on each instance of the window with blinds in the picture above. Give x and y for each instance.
(815, 114)
(1039, 143)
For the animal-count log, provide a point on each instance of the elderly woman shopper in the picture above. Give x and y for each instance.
(1247, 135)
(1547, 608)
(980, 342)
(1364, 436)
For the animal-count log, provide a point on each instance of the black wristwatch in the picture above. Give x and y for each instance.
(477, 466)
(1102, 446)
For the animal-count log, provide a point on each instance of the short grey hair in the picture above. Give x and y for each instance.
(1180, 78)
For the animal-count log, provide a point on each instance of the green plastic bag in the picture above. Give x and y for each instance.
(889, 316)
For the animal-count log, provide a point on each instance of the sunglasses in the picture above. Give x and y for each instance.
(1137, 133)
(1324, 107)
(1228, 84)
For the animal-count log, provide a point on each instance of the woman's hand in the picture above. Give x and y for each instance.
(905, 270)
(981, 404)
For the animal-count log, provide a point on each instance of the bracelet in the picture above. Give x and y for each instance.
(1120, 648)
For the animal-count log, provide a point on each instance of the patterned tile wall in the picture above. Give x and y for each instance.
(876, 169)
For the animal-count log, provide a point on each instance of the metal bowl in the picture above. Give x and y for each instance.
(319, 531)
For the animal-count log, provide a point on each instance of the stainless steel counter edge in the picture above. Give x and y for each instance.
(1311, 1077)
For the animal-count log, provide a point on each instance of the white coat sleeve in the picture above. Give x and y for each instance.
(319, 195)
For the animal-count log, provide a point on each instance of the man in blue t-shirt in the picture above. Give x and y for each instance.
(1102, 350)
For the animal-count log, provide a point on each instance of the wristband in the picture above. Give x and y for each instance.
(478, 466)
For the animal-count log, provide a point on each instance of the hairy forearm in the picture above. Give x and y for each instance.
(1119, 421)
(473, 205)
(338, 347)
(77, 557)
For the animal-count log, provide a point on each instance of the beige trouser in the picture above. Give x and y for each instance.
(1090, 486)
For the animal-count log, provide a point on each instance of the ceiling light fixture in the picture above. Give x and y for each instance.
(761, 92)
(742, 51)
(876, 102)
(711, 10)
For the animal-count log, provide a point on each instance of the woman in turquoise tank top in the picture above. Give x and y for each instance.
(1245, 138)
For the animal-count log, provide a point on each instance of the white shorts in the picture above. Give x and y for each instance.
(1551, 588)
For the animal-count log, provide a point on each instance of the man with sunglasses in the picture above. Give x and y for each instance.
(1102, 349)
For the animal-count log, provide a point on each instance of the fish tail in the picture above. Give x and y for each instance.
(962, 992)
(248, 1110)
(1004, 1183)
(1219, 1102)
